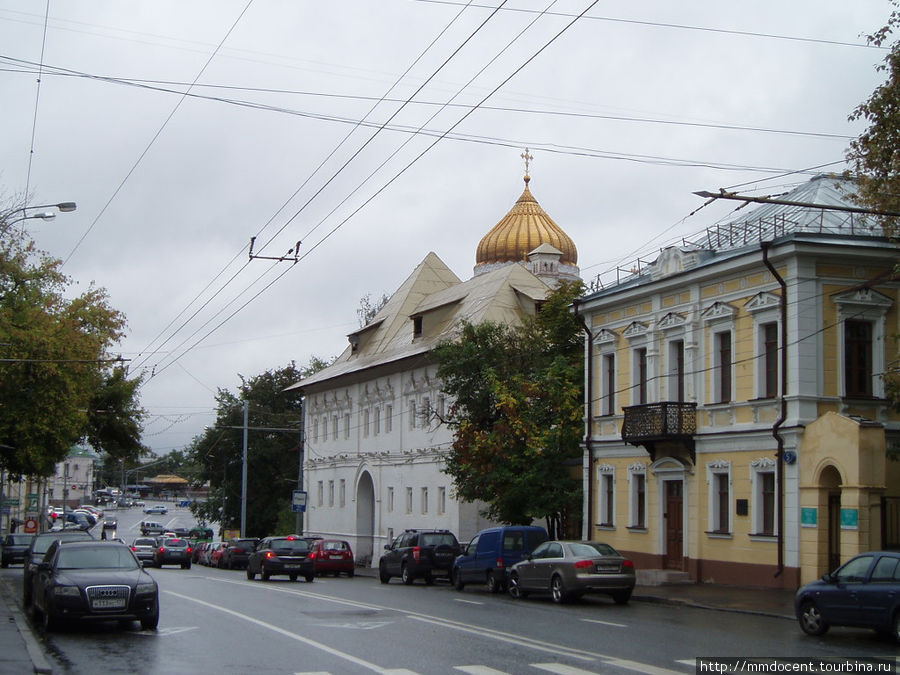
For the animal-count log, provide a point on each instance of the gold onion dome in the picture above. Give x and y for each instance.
(522, 230)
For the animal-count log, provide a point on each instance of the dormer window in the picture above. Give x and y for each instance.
(417, 326)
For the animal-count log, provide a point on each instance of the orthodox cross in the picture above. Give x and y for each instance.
(527, 156)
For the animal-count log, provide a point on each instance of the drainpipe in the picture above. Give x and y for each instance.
(779, 466)
(589, 397)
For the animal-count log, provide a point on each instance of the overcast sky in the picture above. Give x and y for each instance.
(184, 128)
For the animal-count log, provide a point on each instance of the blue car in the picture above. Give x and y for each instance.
(863, 593)
(490, 554)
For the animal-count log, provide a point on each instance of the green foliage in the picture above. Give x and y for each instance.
(875, 155)
(272, 457)
(58, 363)
(368, 308)
(517, 414)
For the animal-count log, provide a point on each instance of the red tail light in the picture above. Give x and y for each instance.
(134, 548)
(417, 553)
(269, 554)
(313, 556)
(190, 550)
(583, 565)
(500, 564)
(627, 564)
(162, 549)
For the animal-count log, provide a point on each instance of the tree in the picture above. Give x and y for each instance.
(368, 309)
(517, 414)
(875, 155)
(274, 445)
(57, 365)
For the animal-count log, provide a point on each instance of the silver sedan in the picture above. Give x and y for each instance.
(570, 569)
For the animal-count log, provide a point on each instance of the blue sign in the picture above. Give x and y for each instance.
(809, 517)
(298, 501)
(849, 519)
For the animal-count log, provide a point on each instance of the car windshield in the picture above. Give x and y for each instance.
(292, 545)
(175, 543)
(95, 557)
(20, 539)
(438, 539)
(590, 550)
(335, 546)
(245, 545)
(144, 542)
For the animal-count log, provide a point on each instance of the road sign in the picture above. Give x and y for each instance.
(31, 525)
(12, 501)
(298, 501)
(32, 498)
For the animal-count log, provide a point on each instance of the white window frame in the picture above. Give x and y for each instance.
(758, 467)
(331, 493)
(388, 418)
(342, 493)
(377, 420)
(334, 427)
(442, 500)
(412, 414)
(346, 425)
(606, 476)
(366, 423)
(634, 471)
(714, 470)
(321, 493)
(717, 366)
(424, 497)
(390, 500)
(409, 500)
(765, 309)
(871, 306)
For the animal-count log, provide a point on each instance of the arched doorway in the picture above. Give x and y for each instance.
(365, 518)
(830, 484)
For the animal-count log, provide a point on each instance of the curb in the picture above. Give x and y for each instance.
(683, 602)
(39, 660)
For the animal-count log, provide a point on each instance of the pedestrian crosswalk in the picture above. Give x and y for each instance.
(555, 668)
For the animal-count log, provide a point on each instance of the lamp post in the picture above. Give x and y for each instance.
(62, 207)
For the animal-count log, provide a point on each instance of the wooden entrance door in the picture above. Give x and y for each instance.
(834, 532)
(674, 525)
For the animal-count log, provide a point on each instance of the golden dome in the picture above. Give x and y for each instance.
(522, 230)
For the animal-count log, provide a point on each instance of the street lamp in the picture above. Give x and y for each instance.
(62, 207)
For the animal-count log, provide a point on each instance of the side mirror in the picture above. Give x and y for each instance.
(827, 578)
(387, 547)
(43, 566)
(527, 556)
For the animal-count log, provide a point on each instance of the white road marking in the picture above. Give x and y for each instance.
(294, 636)
(561, 669)
(639, 667)
(479, 670)
(468, 602)
(167, 631)
(606, 623)
(688, 662)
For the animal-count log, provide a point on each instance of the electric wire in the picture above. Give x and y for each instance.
(37, 98)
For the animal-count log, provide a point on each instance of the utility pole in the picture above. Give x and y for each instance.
(300, 459)
(244, 476)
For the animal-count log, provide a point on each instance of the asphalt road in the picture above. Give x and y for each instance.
(217, 621)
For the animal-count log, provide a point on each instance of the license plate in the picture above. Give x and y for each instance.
(336, 557)
(607, 568)
(108, 603)
(292, 567)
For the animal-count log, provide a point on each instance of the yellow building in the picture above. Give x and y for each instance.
(738, 430)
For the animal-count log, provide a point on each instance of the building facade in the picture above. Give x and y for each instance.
(375, 443)
(737, 427)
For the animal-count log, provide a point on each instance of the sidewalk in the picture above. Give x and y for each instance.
(20, 651)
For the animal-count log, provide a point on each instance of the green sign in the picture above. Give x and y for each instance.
(849, 519)
(12, 501)
(32, 498)
(809, 517)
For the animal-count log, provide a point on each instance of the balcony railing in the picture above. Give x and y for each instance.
(668, 425)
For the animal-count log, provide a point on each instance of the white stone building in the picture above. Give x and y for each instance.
(374, 445)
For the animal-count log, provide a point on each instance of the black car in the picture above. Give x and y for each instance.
(864, 593)
(283, 556)
(419, 553)
(35, 553)
(14, 547)
(172, 551)
(95, 580)
(237, 553)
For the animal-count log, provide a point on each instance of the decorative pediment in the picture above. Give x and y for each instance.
(637, 467)
(718, 464)
(762, 301)
(636, 329)
(677, 259)
(671, 320)
(606, 468)
(603, 336)
(718, 311)
(863, 297)
(763, 463)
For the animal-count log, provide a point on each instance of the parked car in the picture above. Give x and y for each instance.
(237, 553)
(281, 556)
(492, 552)
(569, 569)
(202, 551)
(332, 556)
(35, 552)
(14, 547)
(172, 551)
(144, 549)
(214, 555)
(94, 581)
(864, 592)
(416, 554)
(157, 509)
(98, 513)
(89, 515)
(151, 527)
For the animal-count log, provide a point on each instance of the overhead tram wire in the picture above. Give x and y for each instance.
(37, 98)
(154, 85)
(393, 178)
(155, 136)
(399, 79)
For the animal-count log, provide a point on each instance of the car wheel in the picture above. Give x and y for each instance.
(292, 577)
(152, 621)
(186, 566)
(456, 578)
(219, 564)
(250, 575)
(48, 621)
(492, 583)
(350, 574)
(811, 621)
(383, 576)
(405, 576)
(558, 590)
(310, 578)
(621, 597)
(897, 626)
(263, 573)
(231, 564)
(515, 590)
(429, 579)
